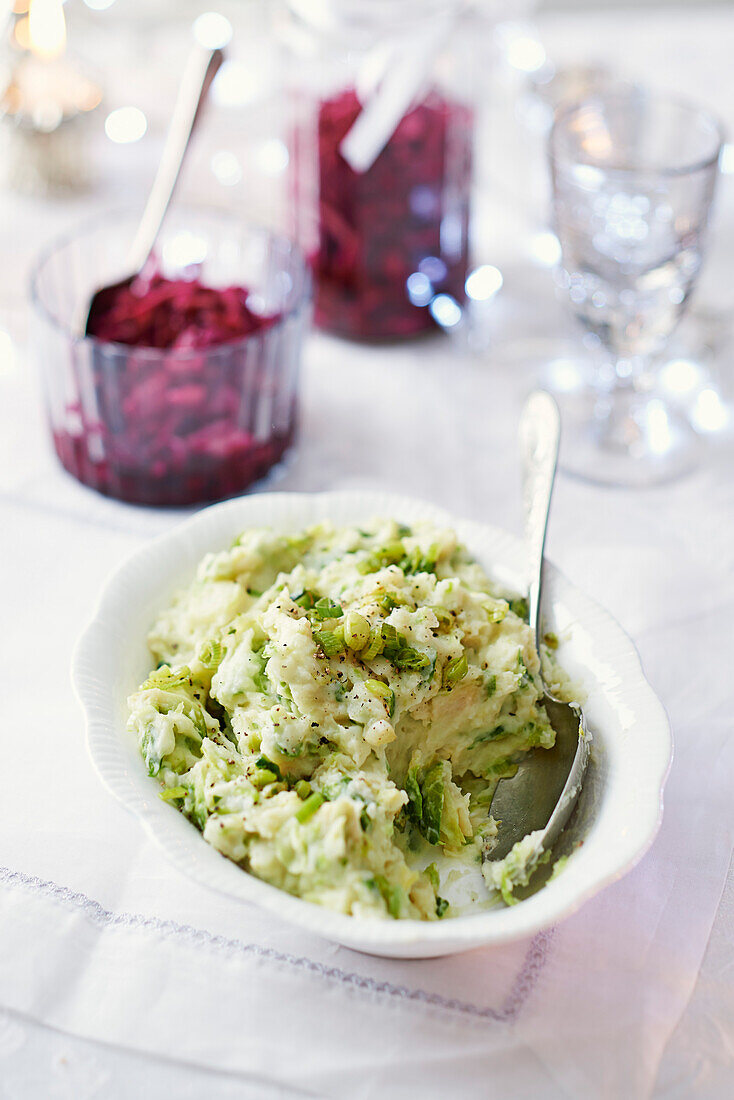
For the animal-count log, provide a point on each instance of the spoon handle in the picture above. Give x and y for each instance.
(201, 68)
(540, 430)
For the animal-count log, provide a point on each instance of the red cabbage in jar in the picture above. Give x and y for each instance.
(408, 212)
(155, 312)
(187, 409)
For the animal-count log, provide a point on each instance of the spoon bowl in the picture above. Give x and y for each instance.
(542, 794)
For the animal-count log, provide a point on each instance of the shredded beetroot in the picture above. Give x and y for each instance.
(155, 312)
(378, 227)
(204, 474)
(199, 418)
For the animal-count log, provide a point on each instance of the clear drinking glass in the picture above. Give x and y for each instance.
(633, 177)
(181, 425)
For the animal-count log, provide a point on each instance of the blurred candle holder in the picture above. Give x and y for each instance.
(46, 105)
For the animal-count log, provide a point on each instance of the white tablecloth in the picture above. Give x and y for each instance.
(101, 939)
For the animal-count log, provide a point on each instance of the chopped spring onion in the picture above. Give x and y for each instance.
(166, 678)
(392, 640)
(303, 789)
(262, 777)
(268, 765)
(211, 654)
(418, 562)
(432, 871)
(309, 807)
(415, 795)
(393, 895)
(330, 641)
(382, 691)
(398, 652)
(374, 646)
(454, 671)
(356, 631)
(391, 553)
(172, 792)
(520, 608)
(306, 599)
(408, 658)
(326, 608)
(433, 797)
(445, 621)
(497, 614)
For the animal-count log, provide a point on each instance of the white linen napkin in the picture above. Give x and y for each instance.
(99, 936)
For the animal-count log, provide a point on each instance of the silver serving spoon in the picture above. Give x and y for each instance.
(201, 67)
(543, 793)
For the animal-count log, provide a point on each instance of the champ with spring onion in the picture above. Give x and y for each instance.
(334, 709)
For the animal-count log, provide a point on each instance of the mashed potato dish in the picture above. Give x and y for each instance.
(334, 709)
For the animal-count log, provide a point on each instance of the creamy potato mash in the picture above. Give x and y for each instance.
(334, 709)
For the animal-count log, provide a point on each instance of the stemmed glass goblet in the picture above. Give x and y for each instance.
(633, 177)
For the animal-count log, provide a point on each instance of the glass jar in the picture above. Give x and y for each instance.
(183, 423)
(386, 235)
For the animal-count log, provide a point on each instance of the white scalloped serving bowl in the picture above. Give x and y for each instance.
(621, 804)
